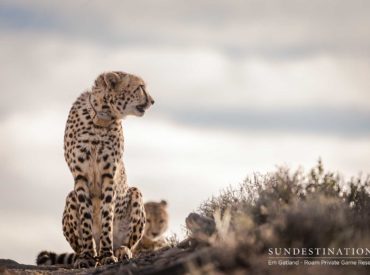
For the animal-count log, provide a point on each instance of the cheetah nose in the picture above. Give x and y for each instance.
(152, 101)
(155, 234)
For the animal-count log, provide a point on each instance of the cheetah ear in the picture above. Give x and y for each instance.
(99, 81)
(163, 203)
(111, 79)
(125, 80)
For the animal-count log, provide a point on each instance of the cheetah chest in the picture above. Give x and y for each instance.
(99, 156)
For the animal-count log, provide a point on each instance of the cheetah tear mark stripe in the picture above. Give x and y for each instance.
(146, 97)
(51, 258)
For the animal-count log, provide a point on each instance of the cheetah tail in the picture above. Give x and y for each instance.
(51, 258)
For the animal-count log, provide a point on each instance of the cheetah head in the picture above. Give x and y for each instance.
(124, 93)
(156, 219)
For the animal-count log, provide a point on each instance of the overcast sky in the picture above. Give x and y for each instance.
(240, 87)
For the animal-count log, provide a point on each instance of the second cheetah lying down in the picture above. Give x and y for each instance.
(156, 225)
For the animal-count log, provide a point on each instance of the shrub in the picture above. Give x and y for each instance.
(288, 209)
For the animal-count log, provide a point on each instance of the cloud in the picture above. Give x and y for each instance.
(344, 123)
(279, 29)
(198, 86)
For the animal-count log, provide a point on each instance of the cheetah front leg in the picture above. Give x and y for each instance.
(85, 258)
(106, 237)
(129, 221)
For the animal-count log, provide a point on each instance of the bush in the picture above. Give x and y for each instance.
(288, 209)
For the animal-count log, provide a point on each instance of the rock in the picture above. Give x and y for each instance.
(201, 227)
(7, 262)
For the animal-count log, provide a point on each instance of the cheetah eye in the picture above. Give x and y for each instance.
(139, 89)
(161, 221)
(148, 220)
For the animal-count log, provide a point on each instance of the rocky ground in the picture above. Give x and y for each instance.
(169, 260)
(166, 261)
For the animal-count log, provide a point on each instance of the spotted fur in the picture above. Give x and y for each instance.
(103, 219)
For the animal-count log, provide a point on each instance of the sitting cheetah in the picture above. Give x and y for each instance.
(103, 219)
(156, 225)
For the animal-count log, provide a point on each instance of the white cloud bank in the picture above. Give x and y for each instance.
(47, 70)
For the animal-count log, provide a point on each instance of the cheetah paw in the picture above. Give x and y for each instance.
(84, 262)
(108, 260)
(123, 253)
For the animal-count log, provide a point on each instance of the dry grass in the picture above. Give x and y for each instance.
(288, 209)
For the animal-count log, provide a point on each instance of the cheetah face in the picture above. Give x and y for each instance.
(126, 93)
(156, 219)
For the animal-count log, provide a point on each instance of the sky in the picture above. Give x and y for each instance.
(240, 87)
